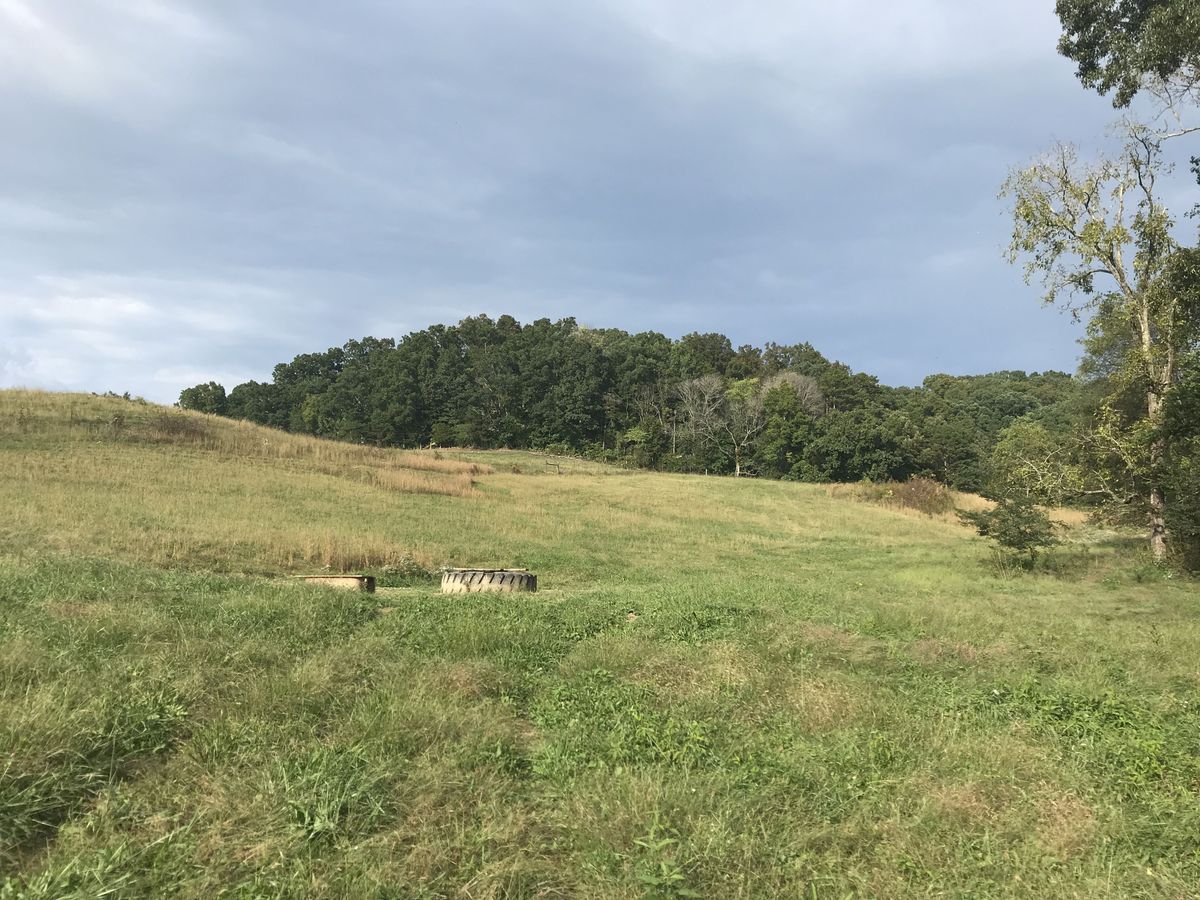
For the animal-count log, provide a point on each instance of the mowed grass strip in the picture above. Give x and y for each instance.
(734, 689)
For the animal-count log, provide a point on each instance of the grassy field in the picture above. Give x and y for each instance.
(726, 688)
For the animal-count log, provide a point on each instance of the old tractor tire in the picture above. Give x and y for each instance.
(473, 581)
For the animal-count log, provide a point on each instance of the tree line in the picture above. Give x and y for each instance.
(695, 404)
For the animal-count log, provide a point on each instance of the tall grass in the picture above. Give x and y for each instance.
(173, 487)
(115, 420)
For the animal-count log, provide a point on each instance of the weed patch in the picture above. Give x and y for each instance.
(596, 721)
(49, 775)
(331, 794)
(1135, 748)
(923, 495)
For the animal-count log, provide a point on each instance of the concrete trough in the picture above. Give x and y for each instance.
(475, 581)
(343, 582)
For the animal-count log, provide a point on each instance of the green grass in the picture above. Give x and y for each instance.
(725, 689)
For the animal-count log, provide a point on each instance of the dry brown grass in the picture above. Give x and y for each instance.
(173, 487)
(822, 703)
(935, 650)
(436, 463)
(1066, 825)
(686, 671)
(891, 496)
(964, 803)
(108, 419)
(1063, 515)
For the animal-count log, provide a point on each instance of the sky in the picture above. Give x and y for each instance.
(195, 191)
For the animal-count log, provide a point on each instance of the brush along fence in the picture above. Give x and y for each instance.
(472, 581)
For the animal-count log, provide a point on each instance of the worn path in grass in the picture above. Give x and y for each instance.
(729, 688)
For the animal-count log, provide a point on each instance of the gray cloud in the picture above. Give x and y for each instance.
(199, 190)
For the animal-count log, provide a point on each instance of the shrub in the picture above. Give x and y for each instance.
(922, 494)
(1016, 524)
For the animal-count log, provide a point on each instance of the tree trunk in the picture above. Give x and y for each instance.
(1158, 500)
(1158, 526)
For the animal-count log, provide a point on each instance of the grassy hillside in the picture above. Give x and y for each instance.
(725, 688)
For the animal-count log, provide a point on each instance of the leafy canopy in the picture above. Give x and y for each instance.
(1123, 46)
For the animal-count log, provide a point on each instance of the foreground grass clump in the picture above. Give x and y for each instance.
(728, 689)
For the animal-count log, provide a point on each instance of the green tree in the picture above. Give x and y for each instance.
(696, 355)
(563, 377)
(636, 362)
(1182, 421)
(205, 398)
(792, 405)
(1123, 46)
(258, 402)
(1029, 461)
(747, 362)
(1075, 222)
(869, 441)
(305, 376)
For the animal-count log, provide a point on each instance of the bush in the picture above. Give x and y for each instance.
(922, 494)
(1016, 524)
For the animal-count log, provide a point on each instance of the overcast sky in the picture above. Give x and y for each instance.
(198, 190)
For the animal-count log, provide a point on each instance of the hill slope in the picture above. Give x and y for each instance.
(727, 688)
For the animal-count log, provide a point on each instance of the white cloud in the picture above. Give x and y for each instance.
(112, 54)
(17, 215)
(109, 332)
(860, 40)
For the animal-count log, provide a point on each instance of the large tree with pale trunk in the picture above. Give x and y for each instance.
(1098, 238)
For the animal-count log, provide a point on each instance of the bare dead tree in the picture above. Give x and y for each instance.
(812, 399)
(729, 417)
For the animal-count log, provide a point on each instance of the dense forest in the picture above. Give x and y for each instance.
(695, 404)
